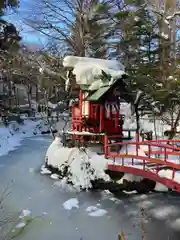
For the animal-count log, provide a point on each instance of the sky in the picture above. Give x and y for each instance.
(29, 35)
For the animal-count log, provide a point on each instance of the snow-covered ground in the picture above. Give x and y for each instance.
(12, 136)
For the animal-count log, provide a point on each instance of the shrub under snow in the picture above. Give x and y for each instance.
(76, 166)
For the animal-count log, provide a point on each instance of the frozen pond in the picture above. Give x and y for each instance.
(86, 215)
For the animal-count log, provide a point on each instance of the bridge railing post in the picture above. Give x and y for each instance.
(105, 146)
(129, 134)
(132, 161)
(149, 150)
(117, 148)
(137, 143)
(165, 154)
(173, 173)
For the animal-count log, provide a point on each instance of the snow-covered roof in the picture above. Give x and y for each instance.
(87, 70)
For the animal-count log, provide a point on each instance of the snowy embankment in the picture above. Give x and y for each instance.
(12, 135)
(78, 167)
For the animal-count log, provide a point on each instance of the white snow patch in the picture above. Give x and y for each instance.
(130, 178)
(71, 203)
(55, 176)
(175, 224)
(159, 187)
(170, 78)
(87, 70)
(125, 109)
(130, 192)
(116, 200)
(136, 18)
(25, 213)
(91, 208)
(20, 225)
(95, 212)
(166, 21)
(166, 173)
(165, 36)
(45, 171)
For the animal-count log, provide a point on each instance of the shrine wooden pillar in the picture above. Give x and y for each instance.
(80, 102)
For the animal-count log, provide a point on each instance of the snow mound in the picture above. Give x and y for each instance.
(95, 212)
(159, 187)
(167, 173)
(71, 203)
(55, 176)
(44, 170)
(78, 167)
(89, 70)
(130, 178)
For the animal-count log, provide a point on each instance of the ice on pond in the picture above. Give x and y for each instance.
(64, 186)
(95, 212)
(116, 200)
(71, 203)
(31, 170)
(165, 212)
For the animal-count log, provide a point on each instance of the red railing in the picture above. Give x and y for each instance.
(170, 183)
(155, 158)
(168, 149)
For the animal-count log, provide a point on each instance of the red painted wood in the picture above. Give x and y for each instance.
(150, 166)
(162, 153)
(101, 118)
(144, 159)
(80, 102)
(148, 143)
(117, 119)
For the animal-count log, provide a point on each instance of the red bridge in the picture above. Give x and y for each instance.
(147, 159)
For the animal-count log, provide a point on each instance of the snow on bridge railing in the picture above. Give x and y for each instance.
(140, 160)
(148, 148)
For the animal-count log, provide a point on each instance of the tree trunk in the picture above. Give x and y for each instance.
(29, 96)
(173, 129)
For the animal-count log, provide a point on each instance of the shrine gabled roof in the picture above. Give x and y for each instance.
(126, 93)
(99, 93)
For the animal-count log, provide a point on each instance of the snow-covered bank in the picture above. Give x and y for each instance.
(12, 136)
(81, 166)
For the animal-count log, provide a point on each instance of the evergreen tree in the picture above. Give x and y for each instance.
(8, 33)
(4, 4)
